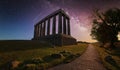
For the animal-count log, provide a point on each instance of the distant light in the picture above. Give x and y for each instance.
(118, 36)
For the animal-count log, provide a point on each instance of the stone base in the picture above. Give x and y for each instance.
(58, 39)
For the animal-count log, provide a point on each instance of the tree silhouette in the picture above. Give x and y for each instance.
(106, 26)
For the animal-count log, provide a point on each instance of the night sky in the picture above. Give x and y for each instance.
(18, 17)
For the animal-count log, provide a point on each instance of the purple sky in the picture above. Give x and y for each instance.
(17, 17)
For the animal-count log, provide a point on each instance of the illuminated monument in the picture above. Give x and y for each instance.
(55, 28)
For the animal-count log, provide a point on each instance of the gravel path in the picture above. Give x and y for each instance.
(90, 60)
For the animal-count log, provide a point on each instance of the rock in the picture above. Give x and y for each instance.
(56, 56)
(110, 59)
(117, 44)
(30, 67)
(15, 64)
(37, 60)
(107, 45)
(65, 53)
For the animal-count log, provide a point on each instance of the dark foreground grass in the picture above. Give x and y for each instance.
(110, 58)
(36, 54)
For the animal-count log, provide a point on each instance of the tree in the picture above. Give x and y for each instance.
(100, 32)
(106, 26)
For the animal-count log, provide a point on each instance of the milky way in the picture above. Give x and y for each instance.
(17, 17)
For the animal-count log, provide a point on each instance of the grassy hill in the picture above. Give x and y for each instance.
(37, 54)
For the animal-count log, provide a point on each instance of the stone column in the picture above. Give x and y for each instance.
(64, 24)
(41, 30)
(35, 31)
(60, 23)
(68, 26)
(38, 30)
(48, 27)
(54, 25)
(44, 23)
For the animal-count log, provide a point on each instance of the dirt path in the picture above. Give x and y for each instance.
(90, 60)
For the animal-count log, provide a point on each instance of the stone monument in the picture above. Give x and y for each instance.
(55, 28)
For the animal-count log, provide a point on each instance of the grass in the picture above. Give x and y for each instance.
(113, 64)
(28, 50)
